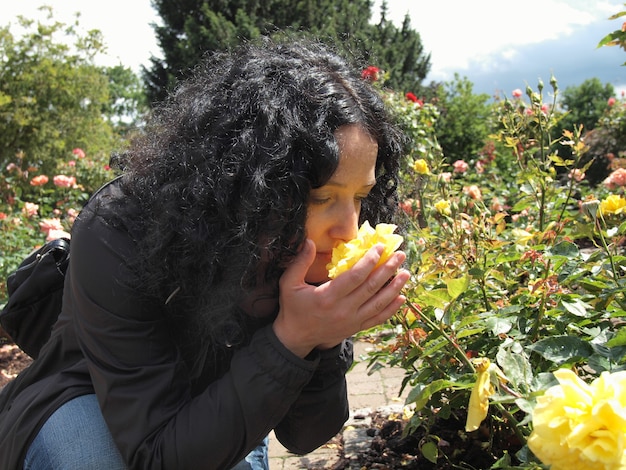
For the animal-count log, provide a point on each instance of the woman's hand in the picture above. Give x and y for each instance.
(322, 316)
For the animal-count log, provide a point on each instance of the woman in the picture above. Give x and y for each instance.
(197, 312)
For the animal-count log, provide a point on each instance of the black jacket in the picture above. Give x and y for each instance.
(112, 341)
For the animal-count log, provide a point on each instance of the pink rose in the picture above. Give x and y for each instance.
(496, 205)
(473, 191)
(30, 209)
(446, 176)
(611, 101)
(50, 224)
(79, 153)
(577, 174)
(63, 181)
(460, 166)
(54, 234)
(517, 93)
(616, 179)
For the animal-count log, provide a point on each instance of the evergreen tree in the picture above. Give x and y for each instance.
(191, 28)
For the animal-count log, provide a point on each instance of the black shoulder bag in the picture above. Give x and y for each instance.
(35, 296)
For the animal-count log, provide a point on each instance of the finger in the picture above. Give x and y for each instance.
(385, 314)
(353, 278)
(297, 269)
(382, 275)
(386, 302)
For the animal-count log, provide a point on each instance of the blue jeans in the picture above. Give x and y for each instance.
(62, 444)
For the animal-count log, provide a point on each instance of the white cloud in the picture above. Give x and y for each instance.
(489, 41)
(460, 34)
(125, 24)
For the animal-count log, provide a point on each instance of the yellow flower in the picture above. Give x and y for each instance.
(483, 388)
(443, 207)
(345, 255)
(421, 167)
(479, 398)
(613, 204)
(581, 426)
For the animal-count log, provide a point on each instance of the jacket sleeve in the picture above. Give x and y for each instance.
(142, 384)
(322, 407)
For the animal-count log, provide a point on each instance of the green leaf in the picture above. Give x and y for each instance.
(593, 286)
(618, 340)
(422, 393)
(430, 451)
(576, 307)
(499, 325)
(566, 249)
(561, 349)
(438, 298)
(516, 367)
(457, 286)
(503, 462)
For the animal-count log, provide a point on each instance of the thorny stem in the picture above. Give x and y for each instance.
(605, 246)
(481, 283)
(542, 305)
(440, 330)
(513, 420)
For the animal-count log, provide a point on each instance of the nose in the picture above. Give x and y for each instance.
(345, 224)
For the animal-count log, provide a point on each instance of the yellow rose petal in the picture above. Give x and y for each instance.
(479, 398)
(346, 255)
(421, 166)
(581, 425)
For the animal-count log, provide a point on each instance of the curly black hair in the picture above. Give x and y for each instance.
(222, 174)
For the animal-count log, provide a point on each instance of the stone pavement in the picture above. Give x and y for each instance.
(367, 393)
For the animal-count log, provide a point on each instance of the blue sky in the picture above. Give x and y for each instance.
(499, 45)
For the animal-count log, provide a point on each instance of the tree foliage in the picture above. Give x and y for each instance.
(585, 104)
(191, 28)
(463, 125)
(53, 96)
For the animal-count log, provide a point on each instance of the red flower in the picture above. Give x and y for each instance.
(3, 216)
(370, 73)
(611, 101)
(411, 97)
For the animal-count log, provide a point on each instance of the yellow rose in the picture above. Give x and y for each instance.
(420, 166)
(478, 407)
(345, 255)
(613, 204)
(479, 398)
(443, 207)
(581, 426)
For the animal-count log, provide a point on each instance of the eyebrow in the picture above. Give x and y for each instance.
(341, 185)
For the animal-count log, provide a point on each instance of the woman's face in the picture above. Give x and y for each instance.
(333, 209)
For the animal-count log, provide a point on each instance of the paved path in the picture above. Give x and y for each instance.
(367, 393)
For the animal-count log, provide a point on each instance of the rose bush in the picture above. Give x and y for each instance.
(36, 207)
(516, 259)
